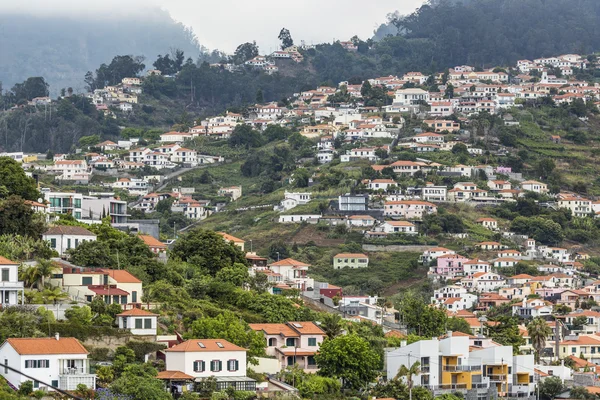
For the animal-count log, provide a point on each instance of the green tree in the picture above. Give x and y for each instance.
(350, 359)
(551, 387)
(207, 250)
(237, 275)
(79, 315)
(507, 333)
(538, 331)
(13, 178)
(245, 52)
(408, 373)
(30, 88)
(286, 38)
(420, 317)
(139, 382)
(458, 325)
(17, 218)
(332, 325)
(544, 167)
(244, 136)
(229, 327)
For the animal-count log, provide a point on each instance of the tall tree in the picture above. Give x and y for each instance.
(349, 358)
(538, 331)
(332, 325)
(14, 180)
(286, 38)
(245, 52)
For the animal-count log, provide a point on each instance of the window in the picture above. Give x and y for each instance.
(77, 203)
(272, 342)
(216, 366)
(574, 350)
(6, 365)
(36, 384)
(134, 297)
(148, 323)
(53, 243)
(76, 242)
(68, 243)
(290, 342)
(86, 280)
(138, 323)
(5, 273)
(54, 383)
(37, 363)
(312, 341)
(199, 366)
(233, 365)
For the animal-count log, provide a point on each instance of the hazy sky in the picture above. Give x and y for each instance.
(224, 24)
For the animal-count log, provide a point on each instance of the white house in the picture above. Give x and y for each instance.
(138, 322)
(291, 200)
(174, 137)
(399, 227)
(534, 186)
(63, 238)
(204, 358)
(59, 362)
(410, 97)
(185, 156)
(10, 286)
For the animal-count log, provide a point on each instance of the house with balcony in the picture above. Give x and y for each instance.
(433, 253)
(58, 362)
(453, 298)
(64, 237)
(472, 267)
(483, 282)
(447, 366)
(64, 203)
(94, 208)
(292, 343)
(408, 209)
(293, 199)
(450, 266)
(205, 358)
(10, 286)
(578, 206)
(588, 345)
(404, 227)
(294, 273)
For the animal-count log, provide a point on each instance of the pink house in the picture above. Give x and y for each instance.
(503, 170)
(451, 265)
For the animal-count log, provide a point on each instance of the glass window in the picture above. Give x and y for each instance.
(290, 342)
(147, 323)
(68, 243)
(138, 323)
(53, 243)
(312, 341)
(77, 203)
(86, 280)
(216, 366)
(199, 366)
(134, 297)
(5, 275)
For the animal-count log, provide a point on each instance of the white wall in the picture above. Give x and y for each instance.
(184, 362)
(131, 324)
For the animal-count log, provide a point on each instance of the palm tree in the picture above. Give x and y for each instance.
(44, 270)
(407, 372)
(54, 295)
(332, 325)
(29, 275)
(538, 331)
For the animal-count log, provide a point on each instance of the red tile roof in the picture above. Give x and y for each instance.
(201, 345)
(34, 346)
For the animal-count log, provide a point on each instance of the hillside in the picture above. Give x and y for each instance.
(63, 49)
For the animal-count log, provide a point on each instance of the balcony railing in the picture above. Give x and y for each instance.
(462, 368)
(312, 366)
(425, 369)
(449, 386)
(480, 385)
(518, 395)
(497, 378)
(75, 371)
(11, 285)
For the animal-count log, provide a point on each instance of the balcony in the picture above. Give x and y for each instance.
(498, 378)
(480, 385)
(462, 368)
(448, 387)
(518, 395)
(12, 285)
(425, 369)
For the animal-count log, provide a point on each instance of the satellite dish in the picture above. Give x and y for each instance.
(40, 200)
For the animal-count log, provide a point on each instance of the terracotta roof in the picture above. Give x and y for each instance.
(6, 261)
(289, 262)
(136, 312)
(25, 346)
(230, 238)
(121, 276)
(399, 223)
(174, 376)
(107, 291)
(306, 328)
(200, 345)
(275, 329)
(152, 241)
(68, 230)
(582, 340)
(521, 276)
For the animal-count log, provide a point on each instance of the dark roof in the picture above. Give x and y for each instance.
(68, 230)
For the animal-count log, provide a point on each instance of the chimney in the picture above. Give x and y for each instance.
(57, 336)
(449, 334)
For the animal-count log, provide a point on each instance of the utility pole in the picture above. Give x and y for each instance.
(409, 378)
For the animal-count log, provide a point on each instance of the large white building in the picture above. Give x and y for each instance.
(59, 362)
(63, 237)
(204, 358)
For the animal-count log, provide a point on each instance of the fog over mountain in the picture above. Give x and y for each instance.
(63, 45)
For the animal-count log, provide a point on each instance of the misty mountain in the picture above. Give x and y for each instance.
(63, 49)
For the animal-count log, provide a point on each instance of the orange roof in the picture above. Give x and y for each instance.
(174, 376)
(26, 346)
(136, 312)
(6, 261)
(521, 276)
(230, 238)
(306, 328)
(152, 242)
(581, 340)
(290, 262)
(121, 276)
(199, 345)
(275, 329)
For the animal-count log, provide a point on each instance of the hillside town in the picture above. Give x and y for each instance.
(517, 300)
